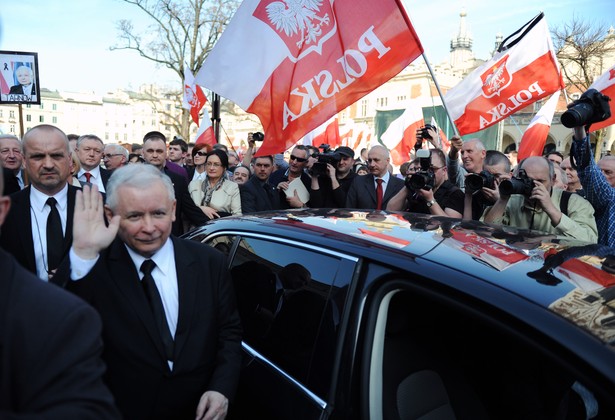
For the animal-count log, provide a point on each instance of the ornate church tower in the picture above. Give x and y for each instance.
(461, 57)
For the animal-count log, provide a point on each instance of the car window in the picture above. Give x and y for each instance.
(289, 306)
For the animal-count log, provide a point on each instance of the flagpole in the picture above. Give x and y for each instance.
(433, 76)
(215, 116)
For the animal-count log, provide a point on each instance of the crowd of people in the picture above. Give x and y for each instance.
(104, 222)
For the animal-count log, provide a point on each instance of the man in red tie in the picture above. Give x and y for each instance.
(89, 151)
(373, 191)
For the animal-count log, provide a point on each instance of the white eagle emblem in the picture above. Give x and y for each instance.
(496, 78)
(298, 17)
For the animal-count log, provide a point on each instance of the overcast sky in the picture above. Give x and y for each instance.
(72, 37)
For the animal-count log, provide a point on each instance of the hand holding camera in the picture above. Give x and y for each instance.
(591, 107)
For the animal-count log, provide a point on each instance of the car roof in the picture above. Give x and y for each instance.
(569, 277)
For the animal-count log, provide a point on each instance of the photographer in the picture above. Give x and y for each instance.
(473, 153)
(599, 192)
(429, 191)
(530, 201)
(330, 189)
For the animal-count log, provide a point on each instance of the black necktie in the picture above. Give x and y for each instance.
(55, 236)
(155, 303)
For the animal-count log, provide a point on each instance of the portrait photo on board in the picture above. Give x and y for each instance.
(19, 78)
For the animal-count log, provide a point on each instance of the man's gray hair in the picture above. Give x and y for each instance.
(118, 148)
(136, 176)
(81, 139)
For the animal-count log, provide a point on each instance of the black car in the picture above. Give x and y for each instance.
(374, 315)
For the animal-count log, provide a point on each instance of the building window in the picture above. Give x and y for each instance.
(28, 106)
(41, 118)
(364, 107)
(41, 106)
(28, 117)
(116, 137)
(125, 137)
(106, 136)
(11, 114)
(12, 128)
(54, 120)
(54, 107)
(401, 98)
(382, 102)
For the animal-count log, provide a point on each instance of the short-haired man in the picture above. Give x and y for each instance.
(442, 199)
(241, 174)
(374, 190)
(555, 157)
(574, 183)
(155, 153)
(89, 151)
(541, 208)
(607, 166)
(115, 156)
(498, 166)
(331, 189)
(257, 194)
(171, 329)
(47, 201)
(11, 158)
(296, 170)
(473, 154)
(178, 149)
(51, 345)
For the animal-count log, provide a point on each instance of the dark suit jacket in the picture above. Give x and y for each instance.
(185, 209)
(207, 341)
(18, 90)
(362, 193)
(50, 348)
(255, 198)
(281, 176)
(105, 174)
(11, 184)
(16, 236)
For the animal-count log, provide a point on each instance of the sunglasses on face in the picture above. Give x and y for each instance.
(298, 159)
(199, 153)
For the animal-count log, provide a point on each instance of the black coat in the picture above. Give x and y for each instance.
(362, 192)
(254, 196)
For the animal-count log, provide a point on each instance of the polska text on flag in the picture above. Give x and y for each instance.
(400, 136)
(535, 135)
(194, 98)
(522, 72)
(295, 64)
(606, 85)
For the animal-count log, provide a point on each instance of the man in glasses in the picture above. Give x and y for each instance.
(282, 178)
(114, 156)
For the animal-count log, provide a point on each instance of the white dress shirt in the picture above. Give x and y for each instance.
(95, 178)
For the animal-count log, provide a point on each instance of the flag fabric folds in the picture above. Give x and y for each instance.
(205, 134)
(296, 64)
(194, 98)
(524, 71)
(327, 133)
(535, 135)
(606, 85)
(400, 136)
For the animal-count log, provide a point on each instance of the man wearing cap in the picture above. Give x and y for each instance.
(330, 190)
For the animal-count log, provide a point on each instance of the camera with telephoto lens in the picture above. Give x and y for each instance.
(258, 136)
(323, 158)
(475, 182)
(591, 107)
(520, 184)
(425, 178)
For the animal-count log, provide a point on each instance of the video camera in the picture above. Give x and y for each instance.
(258, 136)
(422, 134)
(424, 178)
(591, 107)
(520, 184)
(474, 182)
(323, 158)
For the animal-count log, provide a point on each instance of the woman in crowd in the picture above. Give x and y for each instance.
(199, 154)
(216, 195)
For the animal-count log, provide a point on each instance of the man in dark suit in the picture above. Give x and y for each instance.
(89, 151)
(172, 353)
(363, 193)
(256, 193)
(281, 178)
(64, 381)
(11, 157)
(155, 153)
(47, 164)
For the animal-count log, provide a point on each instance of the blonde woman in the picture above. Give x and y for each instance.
(216, 195)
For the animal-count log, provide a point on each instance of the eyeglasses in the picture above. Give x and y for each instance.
(199, 153)
(435, 168)
(109, 155)
(213, 164)
(298, 159)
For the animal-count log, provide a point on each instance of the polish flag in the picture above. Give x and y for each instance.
(445, 145)
(205, 134)
(194, 98)
(362, 139)
(327, 133)
(346, 135)
(522, 72)
(295, 67)
(400, 136)
(535, 136)
(606, 85)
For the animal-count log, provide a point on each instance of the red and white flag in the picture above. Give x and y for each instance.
(525, 71)
(606, 85)
(327, 133)
(445, 145)
(535, 136)
(205, 134)
(194, 98)
(400, 136)
(295, 64)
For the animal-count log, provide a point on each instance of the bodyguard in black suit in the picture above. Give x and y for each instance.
(257, 194)
(362, 193)
(47, 163)
(171, 329)
(50, 346)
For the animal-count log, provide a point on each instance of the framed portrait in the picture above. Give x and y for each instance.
(19, 82)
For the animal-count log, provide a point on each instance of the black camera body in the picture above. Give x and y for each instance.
(474, 182)
(258, 136)
(425, 178)
(422, 134)
(520, 184)
(591, 107)
(323, 158)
